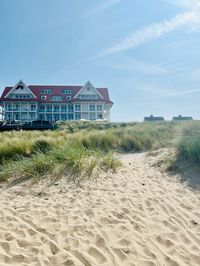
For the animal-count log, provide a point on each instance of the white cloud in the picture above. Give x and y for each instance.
(150, 32)
(178, 93)
(133, 65)
(194, 6)
(164, 92)
(187, 4)
(190, 18)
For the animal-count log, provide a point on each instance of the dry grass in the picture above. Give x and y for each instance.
(88, 150)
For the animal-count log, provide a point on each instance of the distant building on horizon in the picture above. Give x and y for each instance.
(154, 118)
(52, 103)
(181, 118)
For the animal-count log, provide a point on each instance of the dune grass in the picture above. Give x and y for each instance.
(73, 161)
(83, 153)
(135, 138)
(188, 146)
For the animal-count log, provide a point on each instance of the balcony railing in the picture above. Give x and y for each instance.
(20, 110)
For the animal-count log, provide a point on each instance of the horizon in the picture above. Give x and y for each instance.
(146, 54)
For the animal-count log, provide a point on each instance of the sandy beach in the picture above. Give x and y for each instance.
(138, 216)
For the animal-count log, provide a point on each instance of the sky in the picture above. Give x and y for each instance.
(147, 52)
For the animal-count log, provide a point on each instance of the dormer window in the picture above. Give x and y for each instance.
(46, 92)
(67, 91)
(88, 88)
(88, 97)
(20, 96)
(68, 98)
(43, 97)
(56, 98)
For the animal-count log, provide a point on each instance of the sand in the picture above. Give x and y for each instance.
(137, 216)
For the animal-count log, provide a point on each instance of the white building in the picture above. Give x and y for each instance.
(52, 103)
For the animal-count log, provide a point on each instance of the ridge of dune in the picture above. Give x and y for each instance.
(139, 216)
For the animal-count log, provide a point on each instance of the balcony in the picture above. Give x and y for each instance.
(20, 110)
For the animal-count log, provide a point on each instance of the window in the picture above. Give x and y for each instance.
(77, 116)
(21, 96)
(67, 91)
(77, 107)
(42, 117)
(92, 116)
(43, 97)
(9, 107)
(8, 116)
(56, 98)
(68, 98)
(89, 97)
(33, 107)
(49, 117)
(32, 115)
(16, 116)
(46, 92)
(70, 108)
(64, 109)
(63, 117)
(56, 108)
(99, 107)
(49, 108)
(70, 117)
(92, 107)
(99, 116)
(42, 108)
(56, 117)
(16, 107)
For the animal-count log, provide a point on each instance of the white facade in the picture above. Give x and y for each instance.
(87, 104)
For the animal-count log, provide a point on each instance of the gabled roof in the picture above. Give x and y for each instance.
(57, 91)
(88, 84)
(20, 84)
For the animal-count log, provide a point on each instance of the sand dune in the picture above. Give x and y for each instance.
(139, 216)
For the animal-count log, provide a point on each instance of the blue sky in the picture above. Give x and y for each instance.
(146, 52)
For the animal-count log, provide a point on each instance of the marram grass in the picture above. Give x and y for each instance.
(188, 146)
(80, 149)
(72, 161)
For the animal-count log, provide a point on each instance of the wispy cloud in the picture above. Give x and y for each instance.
(164, 92)
(101, 7)
(131, 64)
(178, 93)
(194, 6)
(187, 4)
(190, 18)
(150, 32)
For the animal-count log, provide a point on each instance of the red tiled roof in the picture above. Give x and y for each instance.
(57, 91)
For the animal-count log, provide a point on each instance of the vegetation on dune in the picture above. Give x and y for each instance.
(83, 149)
(73, 161)
(188, 146)
(75, 126)
(140, 137)
(185, 146)
(123, 137)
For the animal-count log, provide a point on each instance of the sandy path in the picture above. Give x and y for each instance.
(138, 216)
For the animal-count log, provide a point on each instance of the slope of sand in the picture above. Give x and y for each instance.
(139, 216)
